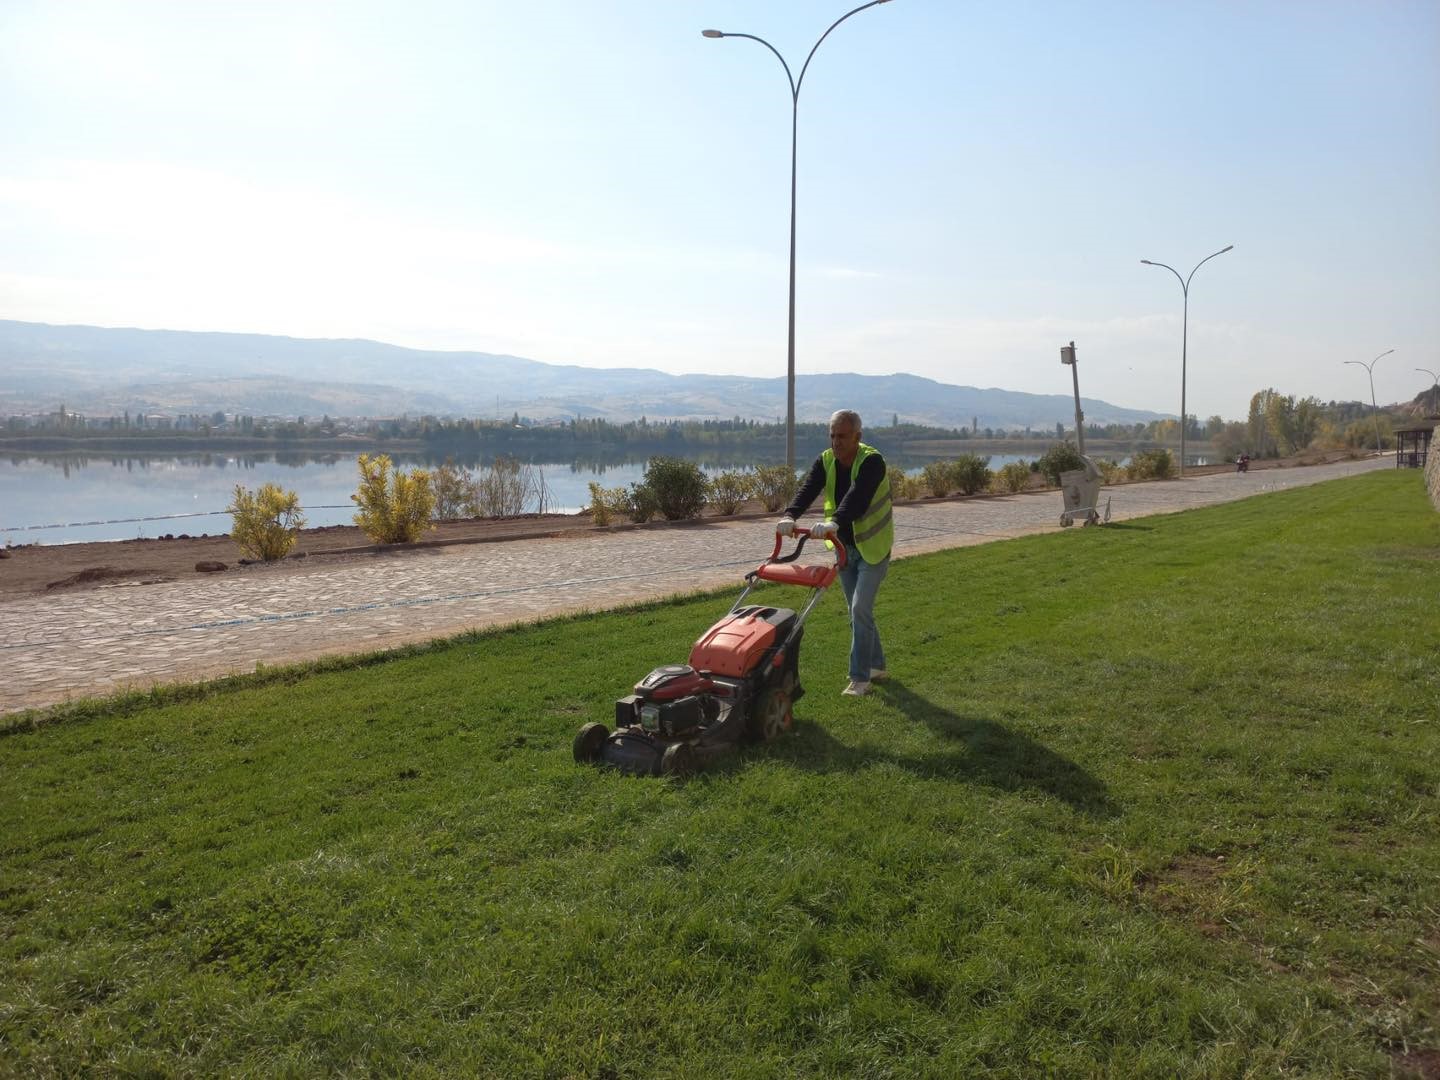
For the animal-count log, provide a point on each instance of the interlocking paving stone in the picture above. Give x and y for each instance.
(56, 648)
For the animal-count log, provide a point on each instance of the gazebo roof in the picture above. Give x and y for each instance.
(1428, 424)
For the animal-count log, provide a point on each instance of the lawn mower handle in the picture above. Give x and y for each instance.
(804, 534)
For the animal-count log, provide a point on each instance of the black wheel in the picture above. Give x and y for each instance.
(772, 715)
(588, 742)
(678, 760)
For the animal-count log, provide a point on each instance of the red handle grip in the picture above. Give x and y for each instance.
(804, 533)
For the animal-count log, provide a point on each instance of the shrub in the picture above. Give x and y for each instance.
(1061, 457)
(897, 479)
(729, 490)
(394, 509)
(640, 503)
(970, 473)
(937, 479)
(775, 486)
(606, 503)
(504, 489)
(1150, 465)
(1012, 477)
(265, 521)
(905, 486)
(1361, 433)
(1112, 471)
(454, 491)
(678, 488)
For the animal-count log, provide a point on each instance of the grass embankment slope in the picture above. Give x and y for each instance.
(1155, 799)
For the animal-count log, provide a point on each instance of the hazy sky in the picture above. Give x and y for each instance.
(592, 182)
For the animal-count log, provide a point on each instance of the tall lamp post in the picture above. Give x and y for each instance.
(1067, 356)
(794, 125)
(1374, 409)
(1185, 337)
(1433, 389)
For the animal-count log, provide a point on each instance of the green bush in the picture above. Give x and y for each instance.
(1061, 457)
(678, 487)
(1012, 477)
(394, 508)
(729, 490)
(265, 521)
(1361, 433)
(1112, 471)
(1151, 465)
(775, 486)
(607, 503)
(937, 479)
(970, 473)
(641, 504)
(897, 479)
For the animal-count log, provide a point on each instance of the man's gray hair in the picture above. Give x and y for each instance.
(850, 416)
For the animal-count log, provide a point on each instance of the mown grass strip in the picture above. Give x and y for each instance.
(1155, 799)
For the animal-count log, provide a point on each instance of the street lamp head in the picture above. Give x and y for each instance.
(1230, 247)
(1146, 262)
(712, 33)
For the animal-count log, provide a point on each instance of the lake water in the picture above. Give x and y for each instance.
(70, 498)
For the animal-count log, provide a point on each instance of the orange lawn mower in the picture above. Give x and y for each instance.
(740, 685)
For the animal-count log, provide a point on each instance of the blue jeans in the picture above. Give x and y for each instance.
(861, 581)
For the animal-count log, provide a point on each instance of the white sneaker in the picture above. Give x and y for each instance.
(878, 674)
(856, 688)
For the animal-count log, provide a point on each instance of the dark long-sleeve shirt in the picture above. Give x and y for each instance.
(851, 501)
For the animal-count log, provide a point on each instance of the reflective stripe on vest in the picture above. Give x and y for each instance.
(875, 530)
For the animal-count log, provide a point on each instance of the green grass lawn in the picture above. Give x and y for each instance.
(1158, 799)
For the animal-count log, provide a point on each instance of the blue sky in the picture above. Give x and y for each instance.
(595, 183)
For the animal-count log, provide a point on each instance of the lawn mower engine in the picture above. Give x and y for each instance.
(740, 684)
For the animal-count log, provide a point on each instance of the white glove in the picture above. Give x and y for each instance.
(785, 527)
(824, 530)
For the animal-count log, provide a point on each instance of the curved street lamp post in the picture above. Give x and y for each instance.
(1374, 409)
(1185, 337)
(1433, 388)
(794, 125)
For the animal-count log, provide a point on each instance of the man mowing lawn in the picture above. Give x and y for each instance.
(856, 483)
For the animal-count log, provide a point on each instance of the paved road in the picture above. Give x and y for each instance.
(57, 648)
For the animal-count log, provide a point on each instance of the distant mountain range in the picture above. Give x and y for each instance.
(101, 372)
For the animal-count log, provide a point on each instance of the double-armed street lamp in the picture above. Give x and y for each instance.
(794, 123)
(1185, 336)
(1374, 409)
(1435, 387)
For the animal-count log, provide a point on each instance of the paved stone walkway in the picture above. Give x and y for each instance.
(56, 648)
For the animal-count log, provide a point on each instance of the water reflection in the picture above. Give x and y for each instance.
(119, 496)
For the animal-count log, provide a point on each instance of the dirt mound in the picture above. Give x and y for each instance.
(93, 576)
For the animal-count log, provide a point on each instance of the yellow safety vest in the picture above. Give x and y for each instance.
(875, 531)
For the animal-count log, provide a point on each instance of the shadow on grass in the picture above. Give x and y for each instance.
(991, 754)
